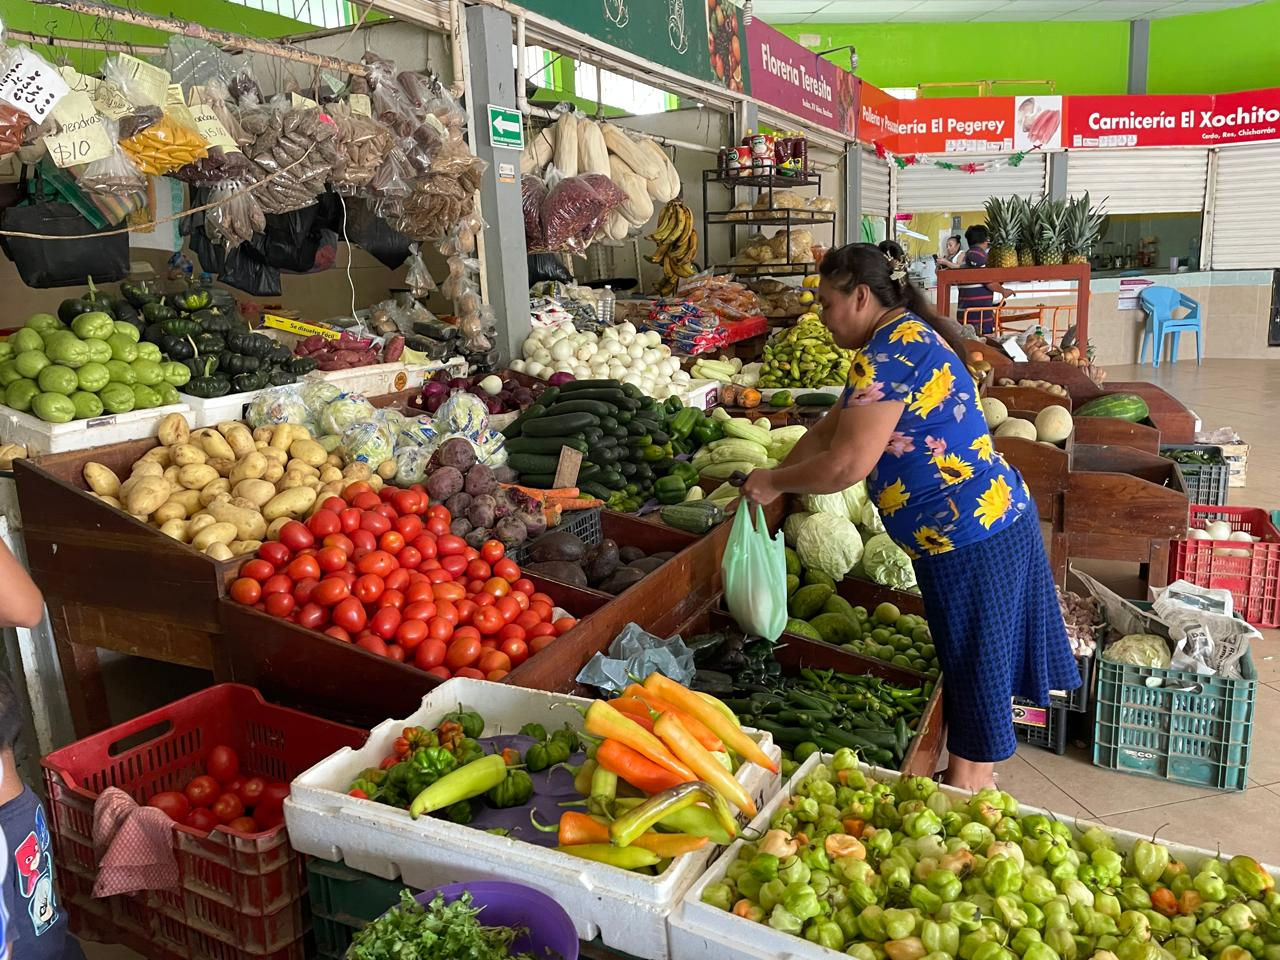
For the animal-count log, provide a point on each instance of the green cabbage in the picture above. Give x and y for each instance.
(855, 497)
(829, 544)
(369, 442)
(791, 526)
(870, 521)
(830, 503)
(885, 562)
(1139, 650)
(277, 405)
(346, 410)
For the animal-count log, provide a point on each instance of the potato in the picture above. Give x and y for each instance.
(330, 474)
(158, 455)
(171, 509)
(275, 455)
(171, 475)
(220, 486)
(262, 435)
(185, 453)
(354, 472)
(198, 523)
(292, 479)
(195, 476)
(173, 429)
(249, 467)
(257, 492)
(102, 480)
(175, 528)
(289, 503)
(387, 469)
(147, 468)
(283, 436)
(220, 532)
(187, 500)
(147, 496)
(301, 466)
(110, 501)
(334, 461)
(215, 445)
(308, 451)
(222, 465)
(330, 489)
(248, 522)
(219, 551)
(240, 547)
(273, 531)
(239, 439)
(274, 472)
(314, 484)
(375, 482)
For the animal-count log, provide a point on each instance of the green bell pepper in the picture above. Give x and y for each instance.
(899, 924)
(801, 900)
(966, 916)
(719, 895)
(922, 823)
(780, 918)
(1002, 875)
(825, 933)
(1148, 861)
(670, 489)
(946, 885)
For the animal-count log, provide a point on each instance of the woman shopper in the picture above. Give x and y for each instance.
(910, 423)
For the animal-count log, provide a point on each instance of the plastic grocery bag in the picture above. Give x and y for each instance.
(755, 575)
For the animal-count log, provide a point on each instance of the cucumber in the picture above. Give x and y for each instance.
(558, 426)
(535, 463)
(632, 391)
(659, 437)
(516, 426)
(593, 434)
(574, 386)
(816, 400)
(598, 407)
(624, 416)
(627, 469)
(548, 396)
(543, 481)
(636, 429)
(589, 471)
(595, 489)
(610, 426)
(545, 445)
(614, 396)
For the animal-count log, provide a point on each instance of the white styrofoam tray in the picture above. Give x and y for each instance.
(701, 394)
(41, 437)
(379, 378)
(211, 411)
(698, 931)
(627, 910)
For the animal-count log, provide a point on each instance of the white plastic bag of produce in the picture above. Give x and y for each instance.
(1207, 640)
(755, 575)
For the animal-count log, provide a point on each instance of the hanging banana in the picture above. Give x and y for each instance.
(677, 246)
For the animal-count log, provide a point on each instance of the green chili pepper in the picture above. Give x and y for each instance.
(467, 781)
(636, 821)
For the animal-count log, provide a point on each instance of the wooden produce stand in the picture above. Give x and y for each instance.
(1074, 272)
(1098, 430)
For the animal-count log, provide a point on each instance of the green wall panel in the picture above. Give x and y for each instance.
(1236, 49)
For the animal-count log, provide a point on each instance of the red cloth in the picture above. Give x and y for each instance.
(134, 846)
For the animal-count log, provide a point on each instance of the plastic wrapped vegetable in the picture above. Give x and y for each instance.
(367, 441)
(830, 544)
(278, 405)
(316, 395)
(411, 465)
(887, 564)
(345, 410)
(1139, 650)
(465, 414)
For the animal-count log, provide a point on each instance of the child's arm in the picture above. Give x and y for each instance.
(21, 604)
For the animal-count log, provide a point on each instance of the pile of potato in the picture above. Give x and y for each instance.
(226, 490)
(1056, 389)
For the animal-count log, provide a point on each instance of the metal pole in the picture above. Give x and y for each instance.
(853, 193)
(1139, 51)
(492, 81)
(1057, 175)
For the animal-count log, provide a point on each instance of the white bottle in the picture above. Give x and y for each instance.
(604, 306)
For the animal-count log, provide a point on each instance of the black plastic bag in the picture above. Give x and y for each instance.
(373, 234)
(547, 266)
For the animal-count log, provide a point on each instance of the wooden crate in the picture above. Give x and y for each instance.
(1031, 399)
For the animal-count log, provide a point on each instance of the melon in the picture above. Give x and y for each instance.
(1053, 424)
(995, 411)
(1017, 427)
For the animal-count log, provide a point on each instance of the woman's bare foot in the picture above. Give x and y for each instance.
(969, 775)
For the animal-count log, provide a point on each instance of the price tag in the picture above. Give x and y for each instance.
(173, 96)
(303, 103)
(360, 104)
(151, 82)
(568, 467)
(211, 128)
(32, 85)
(82, 138)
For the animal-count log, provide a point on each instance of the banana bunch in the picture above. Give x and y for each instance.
(677, 246)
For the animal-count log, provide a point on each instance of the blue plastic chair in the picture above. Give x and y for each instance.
(1159, 304)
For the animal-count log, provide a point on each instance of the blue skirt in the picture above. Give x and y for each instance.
(998, 631)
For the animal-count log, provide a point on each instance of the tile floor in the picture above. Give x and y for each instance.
(1233, 393)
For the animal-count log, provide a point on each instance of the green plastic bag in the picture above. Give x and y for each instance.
(755, 575)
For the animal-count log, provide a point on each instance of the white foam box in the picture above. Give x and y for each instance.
(380, 378)
(210, 411)
(698, 931)
(41, 437)
(628, 911)
(701, 394)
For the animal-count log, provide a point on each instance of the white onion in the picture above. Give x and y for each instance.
(681, 377)
(582, 372)
(616, 371)
(542, 355)
(530, 348)
(562, 349)
(534, 369)
(566, 327)
(626, 339)
(610, 333)
(1218, 530)
(626, 329)
(1243, 536)
(517, 365)
(1194, 534)
(586, 351)
(652, 337)
(635, 351)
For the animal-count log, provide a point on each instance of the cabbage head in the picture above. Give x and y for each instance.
(870, 521)
(885, 562)
(1139, 650)
(411, 465)
(346, 410)
(855, 497)
(318, 394)
(831, 503)
(277, 405)
(368, 442)
(829, 544)
(463, 413)
(791, 526)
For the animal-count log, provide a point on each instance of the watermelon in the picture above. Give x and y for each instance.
(1122, 406)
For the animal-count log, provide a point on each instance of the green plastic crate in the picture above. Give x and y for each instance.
(1176, 726)
(342, 902)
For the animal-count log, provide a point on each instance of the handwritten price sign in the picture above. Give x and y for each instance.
(82, 138)
(32, 85)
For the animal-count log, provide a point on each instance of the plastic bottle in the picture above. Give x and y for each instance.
(605, 305)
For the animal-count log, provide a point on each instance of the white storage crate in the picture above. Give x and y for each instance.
(627, 910)
(41, 437)
(701, 394)
(379, 378)
(211, 411)
(698, 931)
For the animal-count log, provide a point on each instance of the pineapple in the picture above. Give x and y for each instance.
(1004, 223)
(1026, 236)
(1082, 228)
(1050, 224)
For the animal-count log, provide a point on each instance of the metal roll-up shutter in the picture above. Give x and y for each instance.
(1140, 181)
(875, 186)
(1246, 208)
(924, 188)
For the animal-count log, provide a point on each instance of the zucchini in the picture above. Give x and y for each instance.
(594, 488)
(636, 428)
(589, 471)
(627, 469)
(694, 516)
(593, 434)
(598, 407)
(644, 473)
(624, 416)
(516, 426)
(545, 445)
(558, 426)
(614, 396)
(605, 455)
(659, 437)
(535, 463)
(543, 481)
(574, 386)
(816, 400)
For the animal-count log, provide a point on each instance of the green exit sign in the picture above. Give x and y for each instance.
(505, 128)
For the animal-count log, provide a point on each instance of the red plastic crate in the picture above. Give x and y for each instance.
(1254, 580)
(238, 893)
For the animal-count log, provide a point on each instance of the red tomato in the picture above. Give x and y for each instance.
(438, 574)
(331, 558)
(430, 653)
(462, 653)
(248, 591)
(521, 600)
(338, 634)
(450, 545)
(489, 643)
(336, 504)
(364, 541)
(439, 629)
(354, 490)
(493, 676)
(426, 544)
(375, 523)
(475, 586)
(441, 671)
(350, 518)
(538, 643)
(542, 610)
(250, 791)
(527, 620)
(409, 558)
(243, 825)
(377, 561)
(455, 564)
(542, 630)
(313, 616)
(447, 610)
(373, 644)
(392, 598)
(448, 591)
(202, 791)
(368, 588)
(466, 610)
(258, 570)
(385, 622)
(329, 591)
(483, 599)
(279, 583)
(469, 672)
(175, 805)
(324, 522)
(564, 625)
(304, 567)
(272, 802)
(508, 608)
(410, 634)
(471, 553)
(296, 536)
(493, 660)
(497, 586)
(275, 553)
(407, 501)
(349, 615)
(422, 610)
(398, 579)
(478, 570)
(488, 620)
(491, 551)
(523, 585)
(227, 807)
(347, 575)
(366, 501)
(341, 541)
(507, 569)
(543, 599)
(201, 819)
(420, 589)
(409, 527)
(386, 493)
(281, 604)
(395, 652)
(467, 631)
(512, 631)
(517, 650)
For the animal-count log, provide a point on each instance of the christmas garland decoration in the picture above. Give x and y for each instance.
(918, 159)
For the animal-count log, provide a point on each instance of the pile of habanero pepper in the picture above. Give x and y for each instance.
(897, 868)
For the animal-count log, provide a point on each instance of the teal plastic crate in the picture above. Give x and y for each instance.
(1176, 726)
(342, 902)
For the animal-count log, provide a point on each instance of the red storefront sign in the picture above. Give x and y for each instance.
(794, 78)
(960, 124)
(1210, 120)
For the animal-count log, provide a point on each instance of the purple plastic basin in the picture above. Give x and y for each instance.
(504, 904)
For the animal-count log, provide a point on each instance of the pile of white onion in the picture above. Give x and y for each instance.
(617, 353)
(1221, 530)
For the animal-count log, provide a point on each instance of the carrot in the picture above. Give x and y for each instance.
(694, 726)
(635, 769)
(604, 721)
(717, 722)
(686, 748)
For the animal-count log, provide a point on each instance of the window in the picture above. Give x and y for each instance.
(902, 93)
(318, 13)
(627, 95)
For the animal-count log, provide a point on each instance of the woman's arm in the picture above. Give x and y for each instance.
(862, 432)
(21, 604)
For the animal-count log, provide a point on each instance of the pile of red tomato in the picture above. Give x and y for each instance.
(381, 570)
(223, 796)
